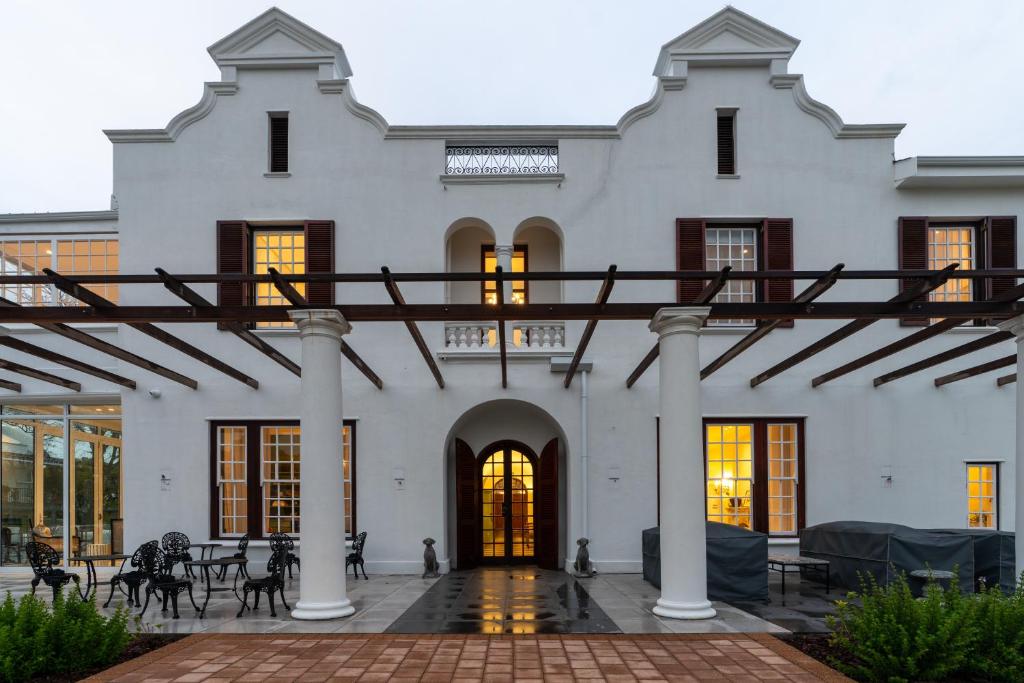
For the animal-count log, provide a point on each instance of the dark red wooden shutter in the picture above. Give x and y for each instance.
(546, 521)
(689, 256)
(913, 256)
(1001, 245)
(232, 257)
(777, 242)
(467, 505)
(320, 259)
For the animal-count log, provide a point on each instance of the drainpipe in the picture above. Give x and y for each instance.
(584, 453)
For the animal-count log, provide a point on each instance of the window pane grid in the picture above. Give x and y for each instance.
(982, 509)
(736, 247)
(493, 492)
(88, 257)
(730, 474)
(948, 245)
(782, 478)
(231, 477)
(285, 251)
(346, 466)
(280, 453)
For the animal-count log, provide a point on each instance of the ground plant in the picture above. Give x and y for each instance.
(885, 633)
(70, 638)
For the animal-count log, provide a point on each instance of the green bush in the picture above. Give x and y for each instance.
(891, 636)
(999, 628)
(71, 638)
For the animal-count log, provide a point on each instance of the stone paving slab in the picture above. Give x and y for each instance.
(219, 658)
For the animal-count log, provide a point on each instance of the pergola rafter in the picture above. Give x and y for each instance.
(588, 331)
(20, 369)
(9, 385)
(396, 296)
(1006, 379)
(499, 292)
(997, 364)
(939, 358)
(73, 363)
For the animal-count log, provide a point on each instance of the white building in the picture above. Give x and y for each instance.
(730, 162)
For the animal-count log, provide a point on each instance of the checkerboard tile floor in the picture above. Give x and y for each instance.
(218, 658)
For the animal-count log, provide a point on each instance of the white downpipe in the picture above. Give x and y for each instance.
(584, 455)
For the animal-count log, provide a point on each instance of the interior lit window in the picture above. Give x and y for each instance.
(734, 246)
(231, 478)
(88, 257)
(285, 251)
(279, 449)
(519, 265)
(507, 506)
(730, 474)
(79, 256)
(947, 245)
(982, 496)
(782, 478)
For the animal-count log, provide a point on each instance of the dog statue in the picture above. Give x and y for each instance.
(581, 567)
(430, 567)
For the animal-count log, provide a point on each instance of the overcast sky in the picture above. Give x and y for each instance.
(952, 70)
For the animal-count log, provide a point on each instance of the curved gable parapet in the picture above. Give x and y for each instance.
(828, 116)
(341, 86)
(197, 112)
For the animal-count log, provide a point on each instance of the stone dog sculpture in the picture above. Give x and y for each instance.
(430, 566)
(582, 567)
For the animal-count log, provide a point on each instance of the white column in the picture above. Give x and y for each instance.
(503, 255)
(684, 585)
(322, 580)
(1016, 327)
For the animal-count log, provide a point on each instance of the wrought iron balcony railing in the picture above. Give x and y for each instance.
(501, 159)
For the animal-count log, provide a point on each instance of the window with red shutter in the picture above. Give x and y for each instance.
(1001, 251)
(689, 256)
(320, 259)
(232, 257)
(777, 238)
(913, 236)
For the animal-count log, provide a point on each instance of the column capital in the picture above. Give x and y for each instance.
(679, 319)
(1014, 326)
(326, 322)
(504, 250)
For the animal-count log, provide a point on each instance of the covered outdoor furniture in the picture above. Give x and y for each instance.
(156, 570)
(994, 556)
(175, 546)
(133, 578)
(243, 547)
(272, 583)
(44, 560)
(737, 562)
(882, 551)
(355, 558)
(280, 540)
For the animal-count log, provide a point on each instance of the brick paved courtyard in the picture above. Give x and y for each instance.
(218, 658)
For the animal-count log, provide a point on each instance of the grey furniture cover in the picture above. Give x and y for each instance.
(882, 550)
(737, 562)
(994, 556)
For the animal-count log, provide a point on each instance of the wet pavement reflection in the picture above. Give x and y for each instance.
(505, 600)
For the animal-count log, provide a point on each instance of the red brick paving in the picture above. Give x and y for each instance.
(219, 658)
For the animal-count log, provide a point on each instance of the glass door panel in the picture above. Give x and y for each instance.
(32, 454)
(95, 486)
(507, 505)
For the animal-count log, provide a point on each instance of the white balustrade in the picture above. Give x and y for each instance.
(535, 335)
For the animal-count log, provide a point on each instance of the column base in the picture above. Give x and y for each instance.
(318, 611)
(684, 610)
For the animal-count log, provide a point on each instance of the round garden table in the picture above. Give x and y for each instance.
(90, 569)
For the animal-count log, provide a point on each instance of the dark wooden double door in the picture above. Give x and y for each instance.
(507, 504)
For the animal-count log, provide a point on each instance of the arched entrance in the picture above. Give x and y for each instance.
(507, 514)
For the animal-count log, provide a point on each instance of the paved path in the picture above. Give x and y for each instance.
(218, 658)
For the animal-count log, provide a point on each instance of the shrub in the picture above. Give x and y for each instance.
(999, 624)
(891, 636)
(71, 638)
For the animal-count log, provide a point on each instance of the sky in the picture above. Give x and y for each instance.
(952, 70)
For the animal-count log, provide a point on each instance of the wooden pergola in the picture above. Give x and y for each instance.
(238, 320)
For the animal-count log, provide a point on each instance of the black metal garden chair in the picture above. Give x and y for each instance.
(243, 546)
(159, 578)
(355, 558)
(279, 541)
(175, 546)
(133, 578)
(272, 583)
(44, 560)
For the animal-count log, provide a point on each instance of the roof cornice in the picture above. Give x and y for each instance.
(60, 217)
(959, 172)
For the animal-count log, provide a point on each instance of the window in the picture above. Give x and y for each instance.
(285, 251)
(983, 495)
(78, 256)
(726, 130)
(736, 246)
(255, 482)
(753, 474)
(278, 142)
(488, 264)
(948, 244)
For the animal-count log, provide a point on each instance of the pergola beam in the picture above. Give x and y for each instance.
(939, 358)
(96, 301)
(292, 295)
(819, 287)
(410, 324)
(932, 330)
(194, 298)
(908, 295)
(1006, 379)
(588, 331)
(54, 357)
(105, 347)
(10, 386)
(707, 294)
(40, 375)
(997, 364)
(499, 289)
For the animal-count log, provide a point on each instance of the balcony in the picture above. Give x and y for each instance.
(524, 339)
(474, 164)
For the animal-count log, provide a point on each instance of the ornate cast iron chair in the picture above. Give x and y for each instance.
(44, 559)
(278, 541)
(133, 578)
(243, 545)
(156, 569)
(269, 584)
(175, 546)
(355, 558)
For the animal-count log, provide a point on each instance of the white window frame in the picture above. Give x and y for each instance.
(222, 480)
(994, 467)
(954, 289)
(735, 290)
(795, 478)
(266, 482)
(49, 294)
